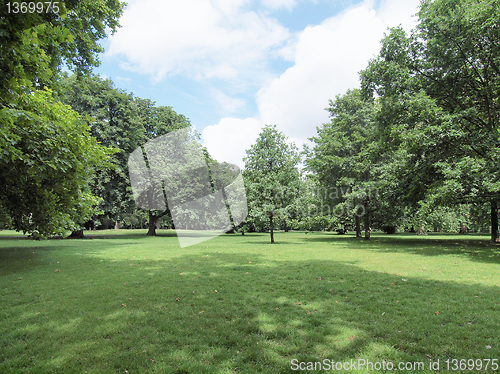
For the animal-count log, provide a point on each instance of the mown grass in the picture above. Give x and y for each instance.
(124, 302)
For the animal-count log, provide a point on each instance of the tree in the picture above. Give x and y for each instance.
(158, 121)
(457, 57)
(35, 45)
(310, 209)
(35, 127)
(439, 91)
(119, 119)
(222, 175)
(271, 175)
(115, 120)
(173, 172)
(345, 157)
(47, 156)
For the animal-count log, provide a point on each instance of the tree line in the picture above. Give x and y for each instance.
(418, 144)
(416, 147)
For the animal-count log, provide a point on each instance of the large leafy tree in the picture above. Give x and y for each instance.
(47, 156)
(271, 176)
(346, 157)
(457, 57)
(158, 121)
(115, 121)
(125, 122)
(35, 45)
(34, 126)
(439, 90)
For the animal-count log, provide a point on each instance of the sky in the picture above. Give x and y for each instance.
(233, 66)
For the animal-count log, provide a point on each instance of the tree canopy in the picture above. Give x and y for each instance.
(48, 153)
(47, 156)
(271, 176)
(438, 89)
(120, 120)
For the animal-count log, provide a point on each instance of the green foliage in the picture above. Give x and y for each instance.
(348, 156)
(117, 119)
(271, 176)
(439, 95)
(47, 156)
(48, 153)
(458, 58)
(35, 45)
(114, 120)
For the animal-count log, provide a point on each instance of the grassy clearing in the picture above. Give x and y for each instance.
(131, 303)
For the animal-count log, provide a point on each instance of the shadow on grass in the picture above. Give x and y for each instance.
(212, 313)
(474, 249)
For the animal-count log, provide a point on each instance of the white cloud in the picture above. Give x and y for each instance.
(227, 103)
(122, 79)
(223, 39)
(198, 38)
(278, 4)
(328, 58)
(228, 140)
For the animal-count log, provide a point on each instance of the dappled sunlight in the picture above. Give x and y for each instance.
(211, 309)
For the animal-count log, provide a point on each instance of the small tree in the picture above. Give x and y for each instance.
(271, 175)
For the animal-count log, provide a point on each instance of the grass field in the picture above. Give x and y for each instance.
(127, 303)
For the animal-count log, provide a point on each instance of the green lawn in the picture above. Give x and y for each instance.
(124, 302)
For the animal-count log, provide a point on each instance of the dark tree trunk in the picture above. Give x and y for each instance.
(358, 226)
(357, 220)
(494, 222)
(286, 226)
(78, 234)
(367, 225)
(272, 228)
(152, 224)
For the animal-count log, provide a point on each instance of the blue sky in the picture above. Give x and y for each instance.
(232, 66)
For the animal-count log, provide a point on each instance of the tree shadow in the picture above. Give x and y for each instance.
(216, 312)
(475, 250)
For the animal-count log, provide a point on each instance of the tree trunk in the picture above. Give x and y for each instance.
(358, 226)
(272, 228)
(286, 226)
(78, 234)
(421, 231)
(357, 220)
(494, 222)
(117, 225)
(152, 224)
(367, 225)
